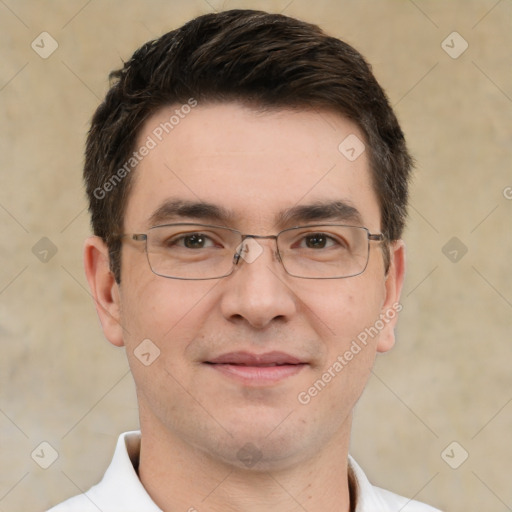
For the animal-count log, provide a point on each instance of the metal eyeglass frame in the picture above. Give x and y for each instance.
(143, 237)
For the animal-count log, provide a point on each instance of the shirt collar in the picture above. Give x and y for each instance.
(367, 496)
(121, 479)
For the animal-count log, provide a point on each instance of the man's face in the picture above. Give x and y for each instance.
(253, 167)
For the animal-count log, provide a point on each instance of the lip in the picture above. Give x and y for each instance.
(251, 359)
(257, 369)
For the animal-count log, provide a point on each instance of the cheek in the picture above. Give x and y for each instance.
(162, 318)
(350, 348)
(341, 309)
(162, 310)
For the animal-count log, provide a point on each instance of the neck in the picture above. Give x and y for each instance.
(179, 476)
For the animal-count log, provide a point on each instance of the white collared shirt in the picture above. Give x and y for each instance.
(120, 490)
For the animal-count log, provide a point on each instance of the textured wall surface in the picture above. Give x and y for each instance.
(443, 393)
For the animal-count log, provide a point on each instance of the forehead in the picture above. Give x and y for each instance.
(253, 165)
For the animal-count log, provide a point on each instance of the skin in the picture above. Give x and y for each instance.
(194, 420)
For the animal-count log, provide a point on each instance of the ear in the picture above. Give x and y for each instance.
(393, 288)
(104, 289)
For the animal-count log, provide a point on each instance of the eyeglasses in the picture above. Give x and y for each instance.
(200, 251)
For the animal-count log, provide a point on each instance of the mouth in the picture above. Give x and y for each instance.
(257, 369)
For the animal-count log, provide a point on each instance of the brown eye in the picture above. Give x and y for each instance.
(189, 241)
(316, 241)
(195, 241)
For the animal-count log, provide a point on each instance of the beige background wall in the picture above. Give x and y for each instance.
(449, 377)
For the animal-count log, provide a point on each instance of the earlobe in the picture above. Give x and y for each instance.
(391, 306)
(104, 289)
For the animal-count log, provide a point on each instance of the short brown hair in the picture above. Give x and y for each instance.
(260, 59)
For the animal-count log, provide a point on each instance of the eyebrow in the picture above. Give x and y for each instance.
(197, 210)
(319, 211)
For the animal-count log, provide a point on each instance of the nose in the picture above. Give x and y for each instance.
(257, 292)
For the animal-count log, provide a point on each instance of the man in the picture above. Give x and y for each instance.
(247, 181)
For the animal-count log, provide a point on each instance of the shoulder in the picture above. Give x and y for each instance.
(370, 498)
(80, 503)
(120, 490)
(400, 503)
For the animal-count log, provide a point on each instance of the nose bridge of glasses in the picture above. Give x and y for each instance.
(250, 249)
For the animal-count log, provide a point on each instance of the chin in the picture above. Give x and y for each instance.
(261, 447)
(258, 457)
